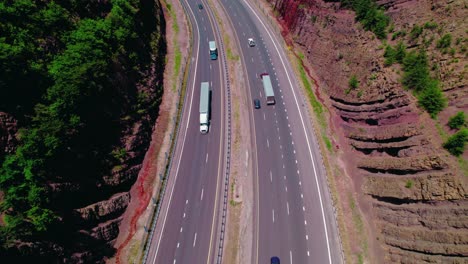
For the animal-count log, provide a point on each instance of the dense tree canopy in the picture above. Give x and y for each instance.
(60, 64)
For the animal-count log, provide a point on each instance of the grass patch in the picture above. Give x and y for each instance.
(327, 143)
(316, 106)
(409, 184)
(134, 252)
(463, 166)
(359, 225)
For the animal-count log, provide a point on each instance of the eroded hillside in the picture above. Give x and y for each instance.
(81, 85)
(414, 193)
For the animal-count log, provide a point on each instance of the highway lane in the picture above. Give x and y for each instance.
(295, 217)
(185, 228)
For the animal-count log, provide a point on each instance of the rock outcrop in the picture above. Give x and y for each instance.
(417, 192)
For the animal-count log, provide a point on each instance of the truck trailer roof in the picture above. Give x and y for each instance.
(204, 97)
(212, 45)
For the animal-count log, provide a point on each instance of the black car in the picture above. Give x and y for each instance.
(275, 260)
(200, 6)
(257, 103)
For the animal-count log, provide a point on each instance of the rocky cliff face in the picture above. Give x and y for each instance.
(415, 188)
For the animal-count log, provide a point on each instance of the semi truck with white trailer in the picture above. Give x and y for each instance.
(204, 107)
(268, 88)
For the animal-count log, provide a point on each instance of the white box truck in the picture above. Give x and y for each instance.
(204, 107)
(268, 88)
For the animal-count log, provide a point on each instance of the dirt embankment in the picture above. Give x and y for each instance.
(412, 191)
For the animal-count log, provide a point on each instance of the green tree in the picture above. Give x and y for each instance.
(457, 121)
(456, 143)
(432, 99)
(416, 71)
(400, 52)
(389, 55)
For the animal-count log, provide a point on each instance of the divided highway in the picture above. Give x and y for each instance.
(187, 224)
(294, 218)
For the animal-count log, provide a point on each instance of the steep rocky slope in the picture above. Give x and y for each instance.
(415, 190)
(88, 179)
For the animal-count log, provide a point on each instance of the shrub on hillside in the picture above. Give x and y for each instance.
(432, 99)
(457, 121)
(456, 143)
(444, 42)
(371, 16)
(353, 82)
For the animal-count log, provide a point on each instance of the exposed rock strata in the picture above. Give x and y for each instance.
(418, 197)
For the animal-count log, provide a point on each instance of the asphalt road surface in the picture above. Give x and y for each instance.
(293, 211)
(186, 228)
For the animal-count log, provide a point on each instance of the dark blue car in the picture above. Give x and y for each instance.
(275, 260)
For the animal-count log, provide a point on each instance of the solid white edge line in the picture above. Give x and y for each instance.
(183, 143)
(305, 131)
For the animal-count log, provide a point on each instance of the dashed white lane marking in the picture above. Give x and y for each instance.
(290, 256)
(174, 261)
(279, 138)
(273, 214)
(264, 117)
(303, 208)
(283, 166)
(281, 147)
(302, 196)
(204, 28)
(181, 229)
(271, 177)
(287, 206)
(289, 125)
(286, 188)
(252, 60)
(186, 201)
(290, 133)
(282, 156)
(307, 237)
(296, 161)
(300, 183)
(305, 222)
(294, 151)
(292, 142)
(308, 253)
(178, 244)
(183, 216)
(195, 240)
(287, 117)
(206, 159)
(210, 67)
(201, 197)
(268, 143)
(284, 177)
(297, 171)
